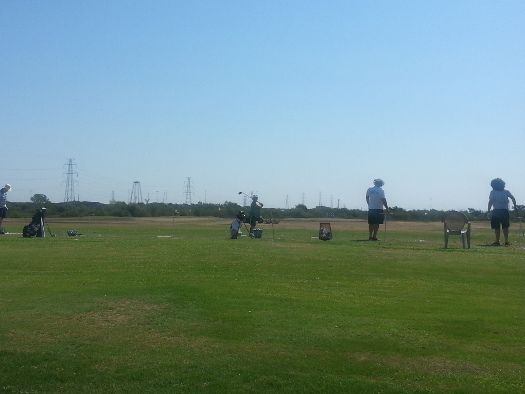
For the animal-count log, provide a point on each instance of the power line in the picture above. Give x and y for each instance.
(28, 169)
(69, 194)
(136, 193)
(188, 190)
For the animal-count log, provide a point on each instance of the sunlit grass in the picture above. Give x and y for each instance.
(175, 306)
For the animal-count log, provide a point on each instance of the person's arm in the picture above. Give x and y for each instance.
(513, 201)
(490, 204)
(385, 203)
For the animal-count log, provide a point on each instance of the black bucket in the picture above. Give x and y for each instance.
(257, 233)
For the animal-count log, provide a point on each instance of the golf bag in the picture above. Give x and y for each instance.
(235, 226)
(37, 226)
(73, 233)
(325, 231)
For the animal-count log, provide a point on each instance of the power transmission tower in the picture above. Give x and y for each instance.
(287, 203)
(188, 191)
(136, 194)
(70, 181)
(302, 198)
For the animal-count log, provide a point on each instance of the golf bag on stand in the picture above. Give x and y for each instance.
(37, 227)
(235, 226)
(325, 231)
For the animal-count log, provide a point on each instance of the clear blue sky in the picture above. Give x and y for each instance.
(277, 97)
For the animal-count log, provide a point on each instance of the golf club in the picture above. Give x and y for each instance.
(273, 230)
(245, 194)
(249, 196)
(384, 232)
(521, 234)
(49, 230)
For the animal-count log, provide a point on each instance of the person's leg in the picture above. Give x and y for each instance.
(495, 224)
(505, 224)
(373, 224)
(506, 235)
(376, 229)
(253, 223)
(3, 214)
(497, 233)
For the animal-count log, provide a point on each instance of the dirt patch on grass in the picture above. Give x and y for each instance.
(98, 323)
(124, 324)
(131, 323)
(112, 314)
(425, 365)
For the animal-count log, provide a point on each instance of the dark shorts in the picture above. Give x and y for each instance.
(500, 217)
(376, 216)
(3, 212)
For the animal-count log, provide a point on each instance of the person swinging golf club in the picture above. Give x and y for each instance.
(3, 205)
(375, 198)
(255, 213)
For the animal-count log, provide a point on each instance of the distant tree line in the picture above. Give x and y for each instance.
(226, 210)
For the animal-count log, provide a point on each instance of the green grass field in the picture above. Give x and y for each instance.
(174, 306)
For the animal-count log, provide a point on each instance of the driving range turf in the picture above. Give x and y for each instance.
(173, 305)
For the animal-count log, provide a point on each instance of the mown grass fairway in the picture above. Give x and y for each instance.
(175, 306)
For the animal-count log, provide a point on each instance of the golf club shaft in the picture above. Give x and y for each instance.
(384, 235)
(247, 195)
(49, 230)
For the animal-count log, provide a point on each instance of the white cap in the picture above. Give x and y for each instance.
(7, 186)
